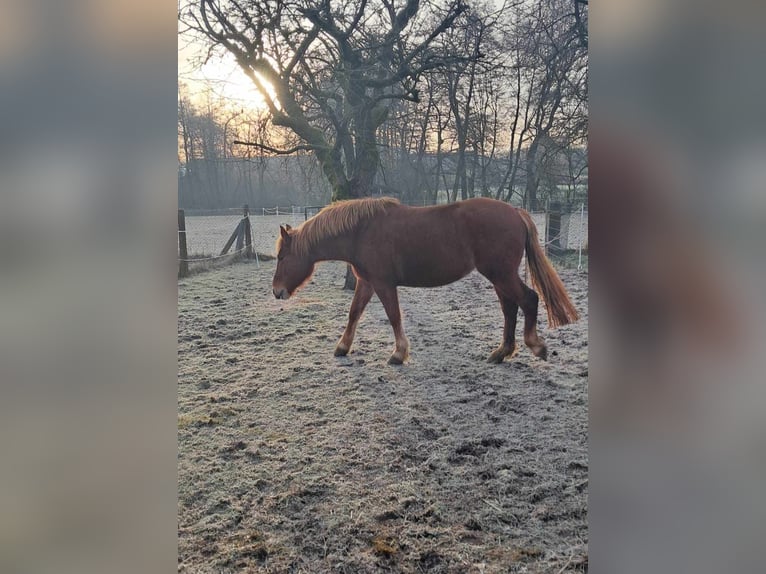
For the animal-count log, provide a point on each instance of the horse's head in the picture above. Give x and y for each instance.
(293, 269)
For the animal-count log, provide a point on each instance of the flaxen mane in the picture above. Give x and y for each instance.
(336, 219)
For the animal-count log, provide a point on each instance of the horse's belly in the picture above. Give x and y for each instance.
(428, 275)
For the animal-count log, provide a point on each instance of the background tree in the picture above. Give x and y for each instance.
(554, 60)
(214, 172)
(422, 99)
(329, 72)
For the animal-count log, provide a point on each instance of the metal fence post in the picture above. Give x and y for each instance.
(183, 256)
(582, 220)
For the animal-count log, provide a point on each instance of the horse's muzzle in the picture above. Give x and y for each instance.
(281, 293)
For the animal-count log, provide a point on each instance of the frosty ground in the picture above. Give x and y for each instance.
(292, 460)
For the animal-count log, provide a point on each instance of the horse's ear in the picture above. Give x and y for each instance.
(287, 227)
(284, 233)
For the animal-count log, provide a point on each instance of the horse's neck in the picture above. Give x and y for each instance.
(339, 248)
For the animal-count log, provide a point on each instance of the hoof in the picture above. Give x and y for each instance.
(499, 355)
(341, 351)
(396, 359)
(496, 357)
(541, 353)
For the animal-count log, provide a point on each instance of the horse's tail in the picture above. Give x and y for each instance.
(545, 280)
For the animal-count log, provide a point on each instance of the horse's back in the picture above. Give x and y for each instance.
(488, 222)
(487, 209)
(416, 246)
(436, 245)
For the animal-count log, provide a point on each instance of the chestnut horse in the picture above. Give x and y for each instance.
(389, 244)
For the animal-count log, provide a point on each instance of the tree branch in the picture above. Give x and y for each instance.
(274, 150)
(301, 51)
(357, 18)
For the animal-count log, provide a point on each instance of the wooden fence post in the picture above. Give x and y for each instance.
(248, 233)
(183, 256)
(235, 235)
(240, 235)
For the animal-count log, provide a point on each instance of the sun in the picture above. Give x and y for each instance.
(228, 81)
(221, 78)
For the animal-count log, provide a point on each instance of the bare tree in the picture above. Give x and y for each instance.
(461, 81)
(555, 60)
(215, 173)
(329, 71)
(201, 139)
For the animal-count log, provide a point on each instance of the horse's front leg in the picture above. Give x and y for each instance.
(362, 295)
(390, 300)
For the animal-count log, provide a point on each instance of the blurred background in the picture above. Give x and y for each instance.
(677, 156)
(88, 198)
(87, 286)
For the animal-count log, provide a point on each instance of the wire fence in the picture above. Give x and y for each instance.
(565, 236)
(206, 233)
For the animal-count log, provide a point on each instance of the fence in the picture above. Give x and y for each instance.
(197, 256)
(211, 238)
(203, 235)
(566, 236)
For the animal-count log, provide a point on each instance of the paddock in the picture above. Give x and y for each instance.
(293, 460)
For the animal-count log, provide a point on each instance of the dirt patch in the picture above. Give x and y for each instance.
(292, 460)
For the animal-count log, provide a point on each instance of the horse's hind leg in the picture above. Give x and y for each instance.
(389, 298)
(362, 295)
(513, 293)
(529, 302)
(510, 312)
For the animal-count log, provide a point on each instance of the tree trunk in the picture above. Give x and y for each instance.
(350, 283)
(367, 159)
(532, 176)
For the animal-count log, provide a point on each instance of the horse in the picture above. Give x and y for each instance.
(389, 245)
